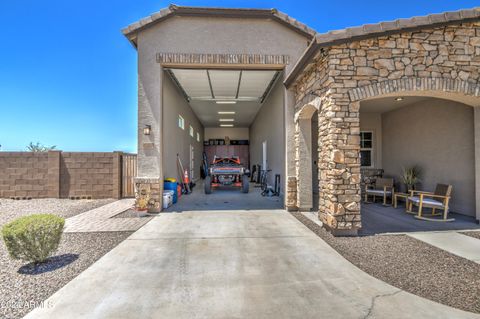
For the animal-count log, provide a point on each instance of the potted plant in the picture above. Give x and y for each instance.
(142, 203)
(410, 177)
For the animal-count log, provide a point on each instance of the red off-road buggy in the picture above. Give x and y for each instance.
(226, 171)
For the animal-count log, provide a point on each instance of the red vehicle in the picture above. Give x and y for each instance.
(226, 171)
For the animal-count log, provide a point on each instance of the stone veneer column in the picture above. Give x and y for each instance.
(290, 171)
(153, 188)
(339, 207)
(53, 174)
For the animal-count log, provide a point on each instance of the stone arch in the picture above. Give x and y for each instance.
(303, 154)
(450, 89)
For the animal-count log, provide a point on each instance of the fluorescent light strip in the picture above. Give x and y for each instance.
(226, 102)
(226, 112)
(226, 120)
(226, 125)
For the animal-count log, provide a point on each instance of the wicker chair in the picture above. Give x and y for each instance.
(436, 200)
(382, 187)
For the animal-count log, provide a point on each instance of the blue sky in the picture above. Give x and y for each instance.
(68, 76)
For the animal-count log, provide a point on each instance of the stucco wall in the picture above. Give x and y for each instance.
(268, 126)
(194, 35)
(373, 122)
(234, 133)
(176, 140)
(437, 135)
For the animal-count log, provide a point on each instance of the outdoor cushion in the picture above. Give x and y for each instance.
(377, 192)
(426, 201)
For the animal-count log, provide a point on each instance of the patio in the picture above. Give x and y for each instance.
(379, 219)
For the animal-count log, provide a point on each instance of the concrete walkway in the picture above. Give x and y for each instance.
(101, 219)
(224, 264)
(453, 242)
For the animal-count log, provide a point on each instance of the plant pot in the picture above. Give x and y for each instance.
(409, 188)
(141, 212)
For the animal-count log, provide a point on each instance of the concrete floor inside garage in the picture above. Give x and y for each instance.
(225, 198)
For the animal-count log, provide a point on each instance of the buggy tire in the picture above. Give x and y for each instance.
(208, 184)
(245, 184)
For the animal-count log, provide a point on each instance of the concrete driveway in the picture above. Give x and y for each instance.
(218, 264)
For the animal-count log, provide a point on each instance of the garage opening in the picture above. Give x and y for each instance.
(226, 127)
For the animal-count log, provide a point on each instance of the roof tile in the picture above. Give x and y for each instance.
(174, 9)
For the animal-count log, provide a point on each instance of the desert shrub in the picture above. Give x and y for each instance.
(33, 238)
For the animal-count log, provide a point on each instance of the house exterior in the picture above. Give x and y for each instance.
(379, 96)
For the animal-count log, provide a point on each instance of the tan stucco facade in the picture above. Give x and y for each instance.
(186, 41)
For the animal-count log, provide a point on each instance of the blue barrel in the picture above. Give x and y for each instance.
(168, 185)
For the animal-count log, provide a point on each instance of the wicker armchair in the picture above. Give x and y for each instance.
(436, 200)
(382, 187)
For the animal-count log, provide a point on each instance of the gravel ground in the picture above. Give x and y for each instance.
(475, 234)
(410, 265)
(11, 209)
(21, 283)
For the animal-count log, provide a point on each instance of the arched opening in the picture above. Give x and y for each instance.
(307, 158)
(432, 132)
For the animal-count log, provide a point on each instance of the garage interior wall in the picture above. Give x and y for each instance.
(176, 140)
(437, 135)
(269, 126)
(234, 133)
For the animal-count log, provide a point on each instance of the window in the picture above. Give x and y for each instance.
(181, 122)
(191, 131)
(198, 137)
(366, 149)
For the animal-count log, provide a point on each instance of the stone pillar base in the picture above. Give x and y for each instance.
(151, 187)
(352, 232)
(342, 225)
(291, 203)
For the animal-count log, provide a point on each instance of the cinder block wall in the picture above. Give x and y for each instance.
(86, 173)
(23, 174)
(59, 174)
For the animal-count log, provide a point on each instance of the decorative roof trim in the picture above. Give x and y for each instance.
(227, 58)
(380, 29)
(131, 30)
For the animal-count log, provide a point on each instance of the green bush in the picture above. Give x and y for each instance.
(33, 238)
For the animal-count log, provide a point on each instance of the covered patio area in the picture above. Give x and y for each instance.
(435, 137)
(378, 219)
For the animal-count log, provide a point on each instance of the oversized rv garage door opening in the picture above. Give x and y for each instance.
(217, 121)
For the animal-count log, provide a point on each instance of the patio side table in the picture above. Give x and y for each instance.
(399, 195)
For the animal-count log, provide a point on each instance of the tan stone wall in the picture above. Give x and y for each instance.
(446, 57)
(56, 174)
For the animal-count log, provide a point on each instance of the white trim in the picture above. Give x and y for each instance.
(371, 149)
(181, 122)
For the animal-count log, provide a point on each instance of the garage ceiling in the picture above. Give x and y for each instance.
(213, 91)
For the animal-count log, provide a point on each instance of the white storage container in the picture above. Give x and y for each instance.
(167, 198)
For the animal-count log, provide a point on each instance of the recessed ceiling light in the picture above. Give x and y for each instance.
(226, 120)
(226, 102)
(226, 112)
(226, 125)
(398, 99)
